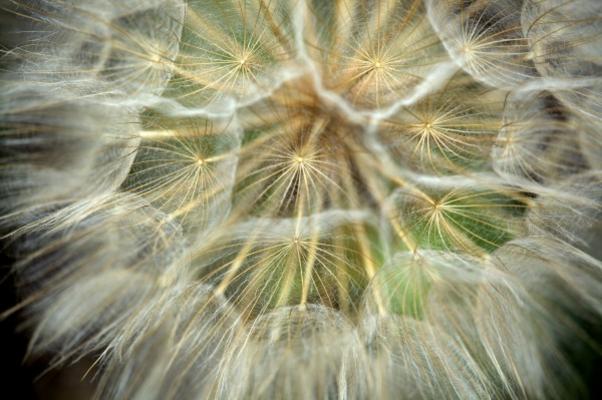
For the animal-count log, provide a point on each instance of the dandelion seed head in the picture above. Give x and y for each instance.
(306, 199)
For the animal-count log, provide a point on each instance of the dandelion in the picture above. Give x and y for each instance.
(253, 199)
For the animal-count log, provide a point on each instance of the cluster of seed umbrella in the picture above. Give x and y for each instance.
(306, 199)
